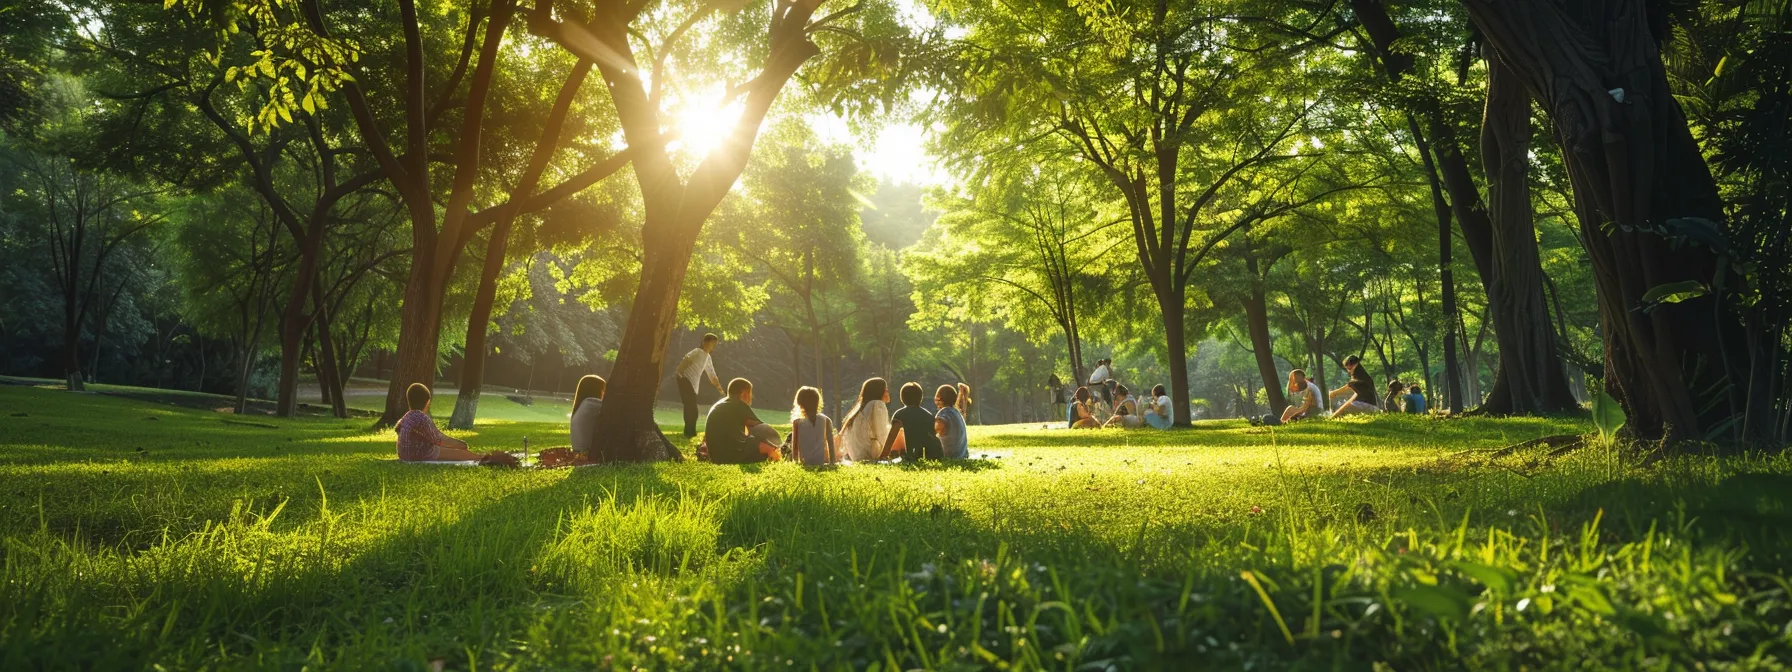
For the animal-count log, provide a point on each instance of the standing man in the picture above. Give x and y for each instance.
(1098, 380)
(691, 369)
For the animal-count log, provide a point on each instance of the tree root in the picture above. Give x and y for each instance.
(1562, 443)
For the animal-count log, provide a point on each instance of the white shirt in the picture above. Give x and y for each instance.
(1100, 376)
(1315, 394)
(810, 438)
(863, 437)
(1162, 406)
(695, 364)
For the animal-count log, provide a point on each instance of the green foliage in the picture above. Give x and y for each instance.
(293, 68)
(1608, 414)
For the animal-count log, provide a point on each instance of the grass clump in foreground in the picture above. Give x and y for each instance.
(138, 535)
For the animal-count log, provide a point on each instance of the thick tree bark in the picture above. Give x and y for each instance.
(1176, 348)
(1635, 168)
(1256, 318)
(1529, 376)
(295, 321)
(1452, 392)
(1517, 256)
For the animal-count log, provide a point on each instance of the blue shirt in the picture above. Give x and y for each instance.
(1415, 402)
(955, 442)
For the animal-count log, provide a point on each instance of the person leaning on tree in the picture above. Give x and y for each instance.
(695, 365)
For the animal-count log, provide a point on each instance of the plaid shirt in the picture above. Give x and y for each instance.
(418, 438)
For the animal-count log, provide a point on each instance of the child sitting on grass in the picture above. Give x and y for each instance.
(949, 424)
(915, 425)
(420, 441)
(811, 431)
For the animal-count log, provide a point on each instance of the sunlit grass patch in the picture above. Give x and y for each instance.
(1391, 539)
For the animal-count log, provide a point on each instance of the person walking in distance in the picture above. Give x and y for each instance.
(1098, 380)
(695, 365)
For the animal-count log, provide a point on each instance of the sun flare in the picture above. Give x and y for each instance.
(703, 123)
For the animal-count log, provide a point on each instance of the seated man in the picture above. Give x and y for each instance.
(734, 433)
(418, 438)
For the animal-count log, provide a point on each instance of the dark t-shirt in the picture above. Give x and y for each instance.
(727, 423)
(1364, 387)
(917, 432)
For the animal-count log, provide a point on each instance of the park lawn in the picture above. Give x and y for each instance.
(367, 397)
(138, 535)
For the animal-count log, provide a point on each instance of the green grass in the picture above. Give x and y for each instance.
(139, 535)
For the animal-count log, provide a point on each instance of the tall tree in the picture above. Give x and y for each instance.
(1171, 103)
(676, 206)
(1502, 241)
(1037, 241)
(84, 217)
(1647, 204)
(800, 223)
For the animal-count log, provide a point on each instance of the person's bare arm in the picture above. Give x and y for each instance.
(939, 428)
(890, 440)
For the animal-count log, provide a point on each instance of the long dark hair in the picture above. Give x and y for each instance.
(807, 400)
(872, 390)
(590, 387)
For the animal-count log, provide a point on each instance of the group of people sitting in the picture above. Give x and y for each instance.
(734, 434)
(1104, 402)
(1304, 397)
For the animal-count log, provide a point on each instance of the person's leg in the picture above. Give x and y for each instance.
(765, 433)
(688, 395)
(455, 454)
(1352, 407)
(747, 450)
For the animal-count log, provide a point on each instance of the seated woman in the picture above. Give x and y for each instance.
(587, 402)
(1126, 410)
(1157, 409)
(734, 434)
(1390, 401)
(1303, 399)
(862, 432)
(1083, 411)
(420, 441)
(1360, 390)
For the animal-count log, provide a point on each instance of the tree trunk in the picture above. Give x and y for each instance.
(1452, 392)
(419, 328)
(1256, 317)
(626, 423)
(295, 322)
(1177, 349)
(1529, 378)
(1512, 255)
(1640, 186)
(472, 365)
(329, 370)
